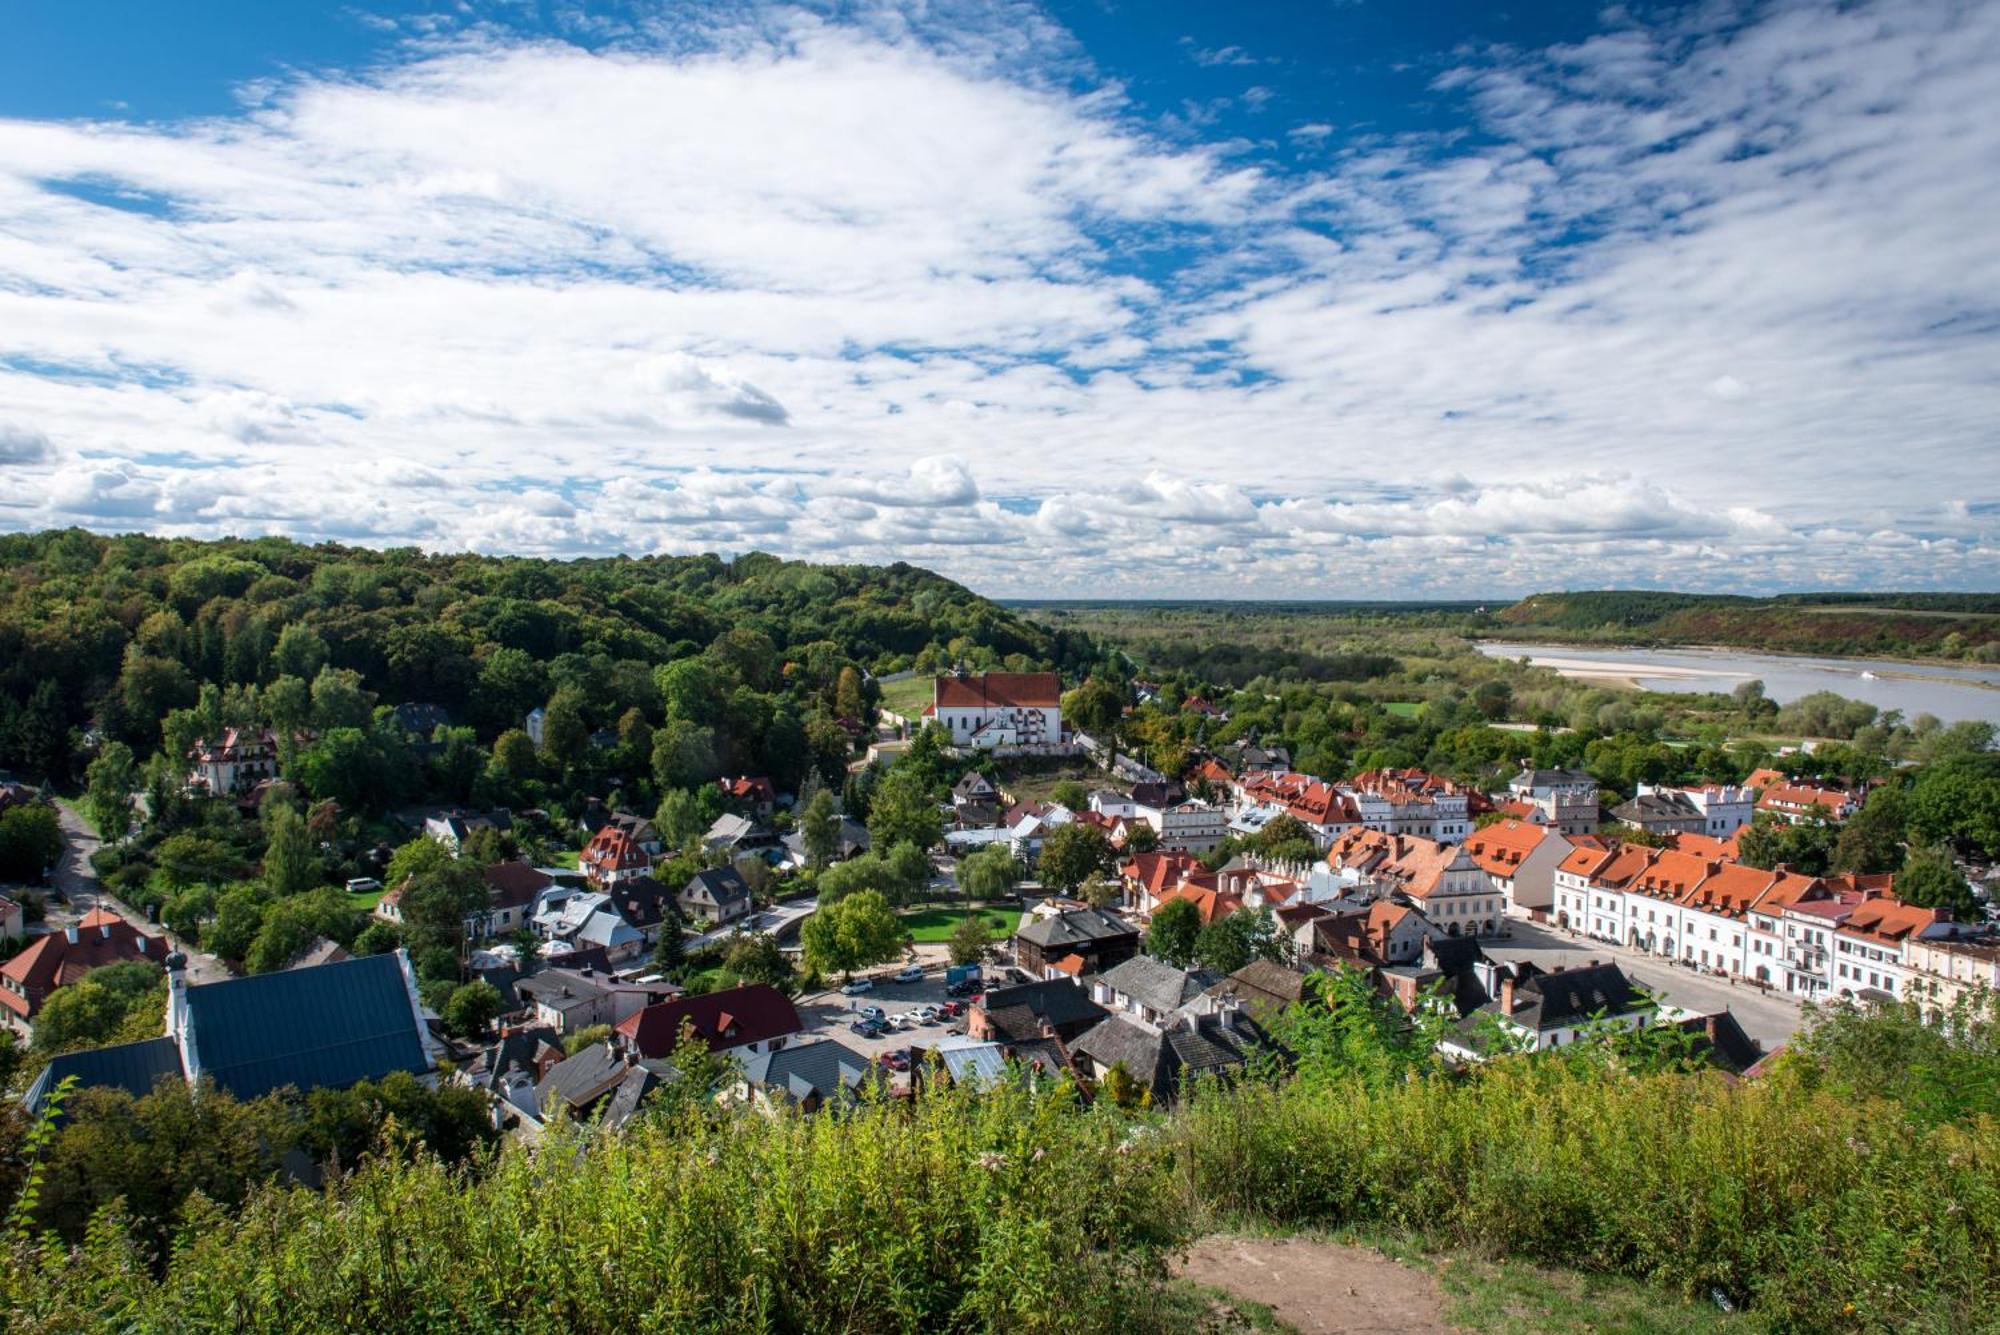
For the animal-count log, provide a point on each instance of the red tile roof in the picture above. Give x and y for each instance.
(1006, 690)
(1503, 846)
(57, 960)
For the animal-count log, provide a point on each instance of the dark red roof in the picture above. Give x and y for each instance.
(513, 885)
(753, 1013)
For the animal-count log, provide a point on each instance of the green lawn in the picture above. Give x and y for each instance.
(365, 902)
(939, 924)
(907, 697)
(1403, 708)
(566, 859)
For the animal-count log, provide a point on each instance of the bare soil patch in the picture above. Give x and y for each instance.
(1322, 1288)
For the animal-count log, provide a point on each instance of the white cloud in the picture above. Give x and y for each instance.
(1693, 306)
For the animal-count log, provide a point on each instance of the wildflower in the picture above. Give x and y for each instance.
(991, 1161)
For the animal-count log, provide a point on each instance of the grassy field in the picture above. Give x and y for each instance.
(1403, 708)
(907, 697)
(365, 902)
(1036, 780)
(938, 924)
(566, 859)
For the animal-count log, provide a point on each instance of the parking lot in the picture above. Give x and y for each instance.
(829, 1013)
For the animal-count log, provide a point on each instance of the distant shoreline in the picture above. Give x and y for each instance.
(1628, 675)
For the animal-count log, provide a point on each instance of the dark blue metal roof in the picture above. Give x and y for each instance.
(323, 1027)
(132, 1067)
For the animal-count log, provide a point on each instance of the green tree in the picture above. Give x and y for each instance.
(287, 926)
(1072, 854)
(565, 733)
(31, 842)
(1806, 849)
(1171, 937)
(1094, 707)
(300, 652)
(1071, 794)
(970, 940)
(338, 700)
(684, 755)
(820, 828)
(1228, 944)
(100, 1008)
(901, 810)
(1930, 879)
(472, 1009)
(757, 958)
(1872, 839)
(514, 757)
(847, 698)
(670, 951)
(681, 819)
(291, 863)
(111, 780)
(991, 872)
(852, 934)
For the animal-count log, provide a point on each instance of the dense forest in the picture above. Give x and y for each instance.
(106, 637)
(1947, 625)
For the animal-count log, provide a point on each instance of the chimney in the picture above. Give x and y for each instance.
(1507, 995)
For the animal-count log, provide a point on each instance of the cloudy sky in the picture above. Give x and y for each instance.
(1101, 299)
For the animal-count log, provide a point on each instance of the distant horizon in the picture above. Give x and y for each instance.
(1058, 299)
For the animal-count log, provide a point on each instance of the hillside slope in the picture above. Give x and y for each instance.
(1948, 625)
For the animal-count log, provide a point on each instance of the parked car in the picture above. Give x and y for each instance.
(951, 1010)
(910, 973)
(896, 1061)
(868, 1028)
(873, 1013)
(857, 987)
(363, 885)
(926, 1014)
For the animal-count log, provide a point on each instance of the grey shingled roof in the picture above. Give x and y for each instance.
(1155, 983)
(326, 1027)
(1076, 927)
(1057, 1000)
(826, 1068)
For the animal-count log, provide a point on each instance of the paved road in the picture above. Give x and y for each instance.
(1768, 1017)
(78, 883)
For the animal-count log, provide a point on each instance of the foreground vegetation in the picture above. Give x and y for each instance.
(1841, 1192)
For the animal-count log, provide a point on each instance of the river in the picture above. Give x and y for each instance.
(1950, 691)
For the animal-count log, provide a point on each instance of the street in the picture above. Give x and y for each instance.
(76, 882)
(1768, 1017)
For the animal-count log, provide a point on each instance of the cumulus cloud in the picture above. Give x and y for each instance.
(1696, 302)
(23, 445)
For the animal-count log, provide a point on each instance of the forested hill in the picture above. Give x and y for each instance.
(1950, 625)
(116, 632)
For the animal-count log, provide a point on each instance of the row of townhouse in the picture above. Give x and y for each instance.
(1808, 936)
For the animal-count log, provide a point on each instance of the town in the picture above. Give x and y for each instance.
(1144, 933)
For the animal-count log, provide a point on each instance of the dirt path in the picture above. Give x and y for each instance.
(1322, 1288)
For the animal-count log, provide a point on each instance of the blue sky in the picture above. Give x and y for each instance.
(1338, 299)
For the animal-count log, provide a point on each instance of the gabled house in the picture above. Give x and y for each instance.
(1161, 1056)
(1565, 798)
(453, 828)
(751, 1019)
(615, 853)
(1150, 989)
(67, 956)
(807, 1076)
(1055, 1007)
(1098, 938)
(601, 1076)
(1521, 858)
(513, 892)
(972, 788)
(753, 792)
(717, 895)
(1661, 811)
(566, 999)
(733, 834)
(1537, 1010)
